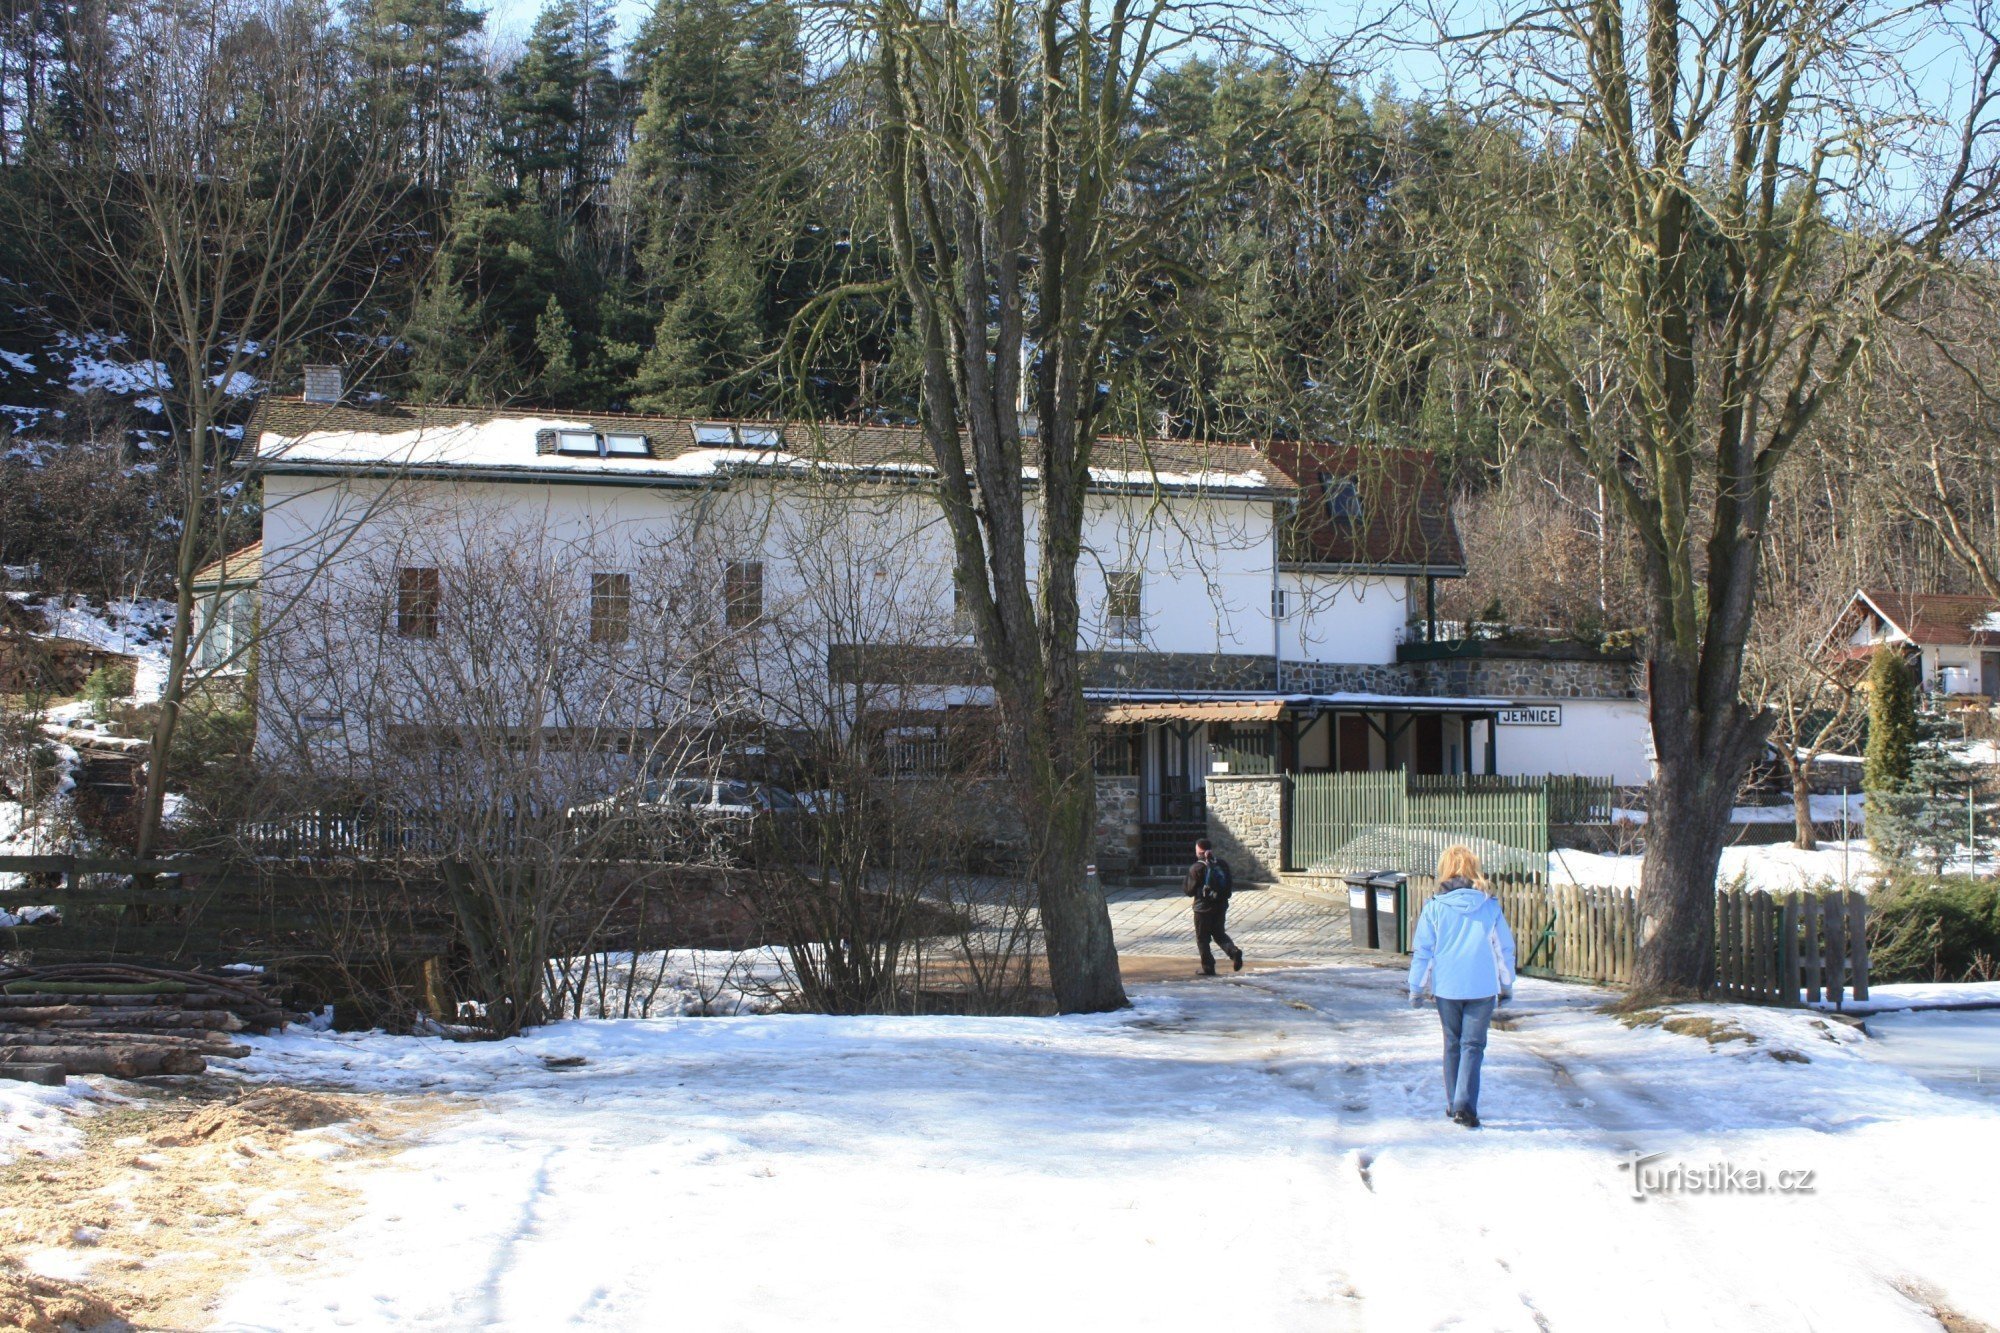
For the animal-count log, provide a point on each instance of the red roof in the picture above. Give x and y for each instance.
(240, 566)
(1937, 618)
(1405, 515)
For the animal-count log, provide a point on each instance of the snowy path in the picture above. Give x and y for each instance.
(1265, 1151)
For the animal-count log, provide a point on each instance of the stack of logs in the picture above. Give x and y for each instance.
(124, 1020)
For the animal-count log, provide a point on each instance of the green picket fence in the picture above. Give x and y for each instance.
(1391, 821)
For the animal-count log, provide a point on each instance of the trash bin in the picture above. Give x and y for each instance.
(1390, 891)
(1361, 910)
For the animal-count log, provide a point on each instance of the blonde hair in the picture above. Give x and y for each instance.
(1459, 862)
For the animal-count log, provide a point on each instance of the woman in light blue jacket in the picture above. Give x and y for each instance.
(1464, 955)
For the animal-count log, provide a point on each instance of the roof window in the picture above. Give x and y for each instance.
(622, 444)
(576, 442)
(724, 435)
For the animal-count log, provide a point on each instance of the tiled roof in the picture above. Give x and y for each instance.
(1405, 516)
(1940, 618)
(239, 566)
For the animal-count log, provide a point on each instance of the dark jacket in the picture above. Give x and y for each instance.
(1191, 887)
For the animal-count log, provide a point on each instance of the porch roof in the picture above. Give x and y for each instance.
(1126, 706)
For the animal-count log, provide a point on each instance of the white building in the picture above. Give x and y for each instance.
(1260, 610)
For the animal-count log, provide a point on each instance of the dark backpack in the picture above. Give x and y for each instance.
(1218, 883)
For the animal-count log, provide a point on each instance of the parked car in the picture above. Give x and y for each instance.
(689, 815)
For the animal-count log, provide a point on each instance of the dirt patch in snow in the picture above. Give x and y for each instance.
(174, 1194)
(31, 1303)
(1714, 1031)
(268, 1114)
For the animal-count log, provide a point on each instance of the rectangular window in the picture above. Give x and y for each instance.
(210, 651)
(610, 608)
(714, 433)
(743, 592)
(622, 445)
(417, 603)
(1124, 604)
(576, 442)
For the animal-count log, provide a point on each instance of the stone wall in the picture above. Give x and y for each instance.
(1246, 822)
(1531, 678)
(961, 665)
(1117, 824)
(1347, 678)
(1474, 677)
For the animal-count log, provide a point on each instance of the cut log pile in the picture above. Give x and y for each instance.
(125, 1020)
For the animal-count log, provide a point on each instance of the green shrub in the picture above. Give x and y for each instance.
(109, 684)
(1892, 720)
(1934, 929)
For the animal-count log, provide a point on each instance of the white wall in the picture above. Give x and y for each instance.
(1206, 562)
(1343, 618)
(1598, 738)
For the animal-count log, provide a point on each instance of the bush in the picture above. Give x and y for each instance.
(109, 684)
(1934, 930)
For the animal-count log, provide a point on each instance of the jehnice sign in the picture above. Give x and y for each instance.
(1551, 716)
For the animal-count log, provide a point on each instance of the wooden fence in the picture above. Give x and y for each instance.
(1389, 821)
(1769, 949)
(1777, 950)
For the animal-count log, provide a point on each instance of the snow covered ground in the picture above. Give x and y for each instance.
(1266, 1151)
(1780, 868)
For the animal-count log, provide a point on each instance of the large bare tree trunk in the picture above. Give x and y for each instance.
(1701, 761)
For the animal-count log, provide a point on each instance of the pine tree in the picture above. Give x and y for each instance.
(709, 331)
(555, 340)
(560, 106)
(421, 73)
(1933, 811)
(715, 159)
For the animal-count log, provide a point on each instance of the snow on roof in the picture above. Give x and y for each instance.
(1340, 699)
(421, 438)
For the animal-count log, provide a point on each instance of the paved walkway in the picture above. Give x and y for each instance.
(1269, 925)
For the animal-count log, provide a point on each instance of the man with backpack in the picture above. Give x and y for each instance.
(1209, 883)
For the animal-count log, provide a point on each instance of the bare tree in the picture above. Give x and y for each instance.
(507, 706)
(1007, 136)
(1726, 203)
(1808, 690)
(226, 199)
(1935, 401)
(867, 881)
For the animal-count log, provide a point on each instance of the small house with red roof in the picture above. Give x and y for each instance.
(1954, 639)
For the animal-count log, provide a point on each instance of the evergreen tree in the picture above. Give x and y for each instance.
(420, 71)
(1892, 721)
(715, 164)
(477, 328)
(555, 340)
(560, 108)
(711, 330)
(1933, 811)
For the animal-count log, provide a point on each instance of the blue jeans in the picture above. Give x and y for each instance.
(1465, 1023)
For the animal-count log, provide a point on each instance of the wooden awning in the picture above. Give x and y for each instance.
(1196, 710)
